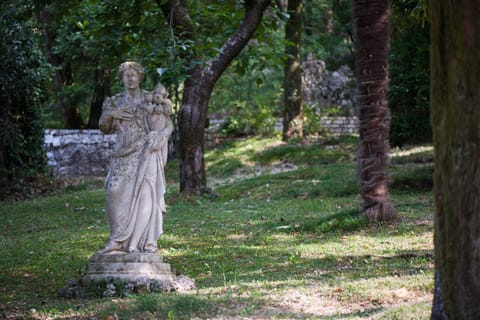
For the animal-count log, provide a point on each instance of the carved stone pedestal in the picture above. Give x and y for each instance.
(116, 273)
(127, 267)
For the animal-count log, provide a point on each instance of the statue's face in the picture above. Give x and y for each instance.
(158, 97)
(131, 79)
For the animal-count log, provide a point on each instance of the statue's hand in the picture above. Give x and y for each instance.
(150, 107)
(155, 140)
(122, 114)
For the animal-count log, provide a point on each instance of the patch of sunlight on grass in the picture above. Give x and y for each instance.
(269, 246)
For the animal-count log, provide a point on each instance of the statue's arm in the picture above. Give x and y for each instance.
(106, 120)
(168, 129)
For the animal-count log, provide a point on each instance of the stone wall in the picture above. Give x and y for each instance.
(340, 125)
(77, 153)
(336, 125)
(325, 89)
(83, 153)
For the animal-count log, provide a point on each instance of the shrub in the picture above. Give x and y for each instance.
(21, 75)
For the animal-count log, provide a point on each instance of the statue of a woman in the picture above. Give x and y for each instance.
(135, 184)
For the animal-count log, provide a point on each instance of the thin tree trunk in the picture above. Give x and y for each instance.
(101, 90)
(372, 23)
(191, 125)
(293, 113)
(455, 117)
(199, 85)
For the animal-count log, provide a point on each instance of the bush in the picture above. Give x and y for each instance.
(21, 74)
(409, 73)
(245, 120)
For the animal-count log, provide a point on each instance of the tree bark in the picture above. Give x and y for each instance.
(293, 111)
(372, 28)
(63, 74)
(438, 309)
(101, 90)
(199, 85)
(455, 117)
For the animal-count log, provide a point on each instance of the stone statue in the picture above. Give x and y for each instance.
(135, 184)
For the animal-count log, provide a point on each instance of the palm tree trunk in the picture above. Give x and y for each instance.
(372, 24)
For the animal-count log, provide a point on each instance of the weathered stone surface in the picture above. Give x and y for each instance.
(135, 185)
(117, 273)
(340, 125)
(325, 89)
(128, 267)
(77, 153)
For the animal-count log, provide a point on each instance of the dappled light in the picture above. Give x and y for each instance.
(267, 245)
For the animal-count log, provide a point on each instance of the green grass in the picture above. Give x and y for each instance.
(269, 246)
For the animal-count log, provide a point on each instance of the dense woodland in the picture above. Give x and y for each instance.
(240, 60)
(68, 53)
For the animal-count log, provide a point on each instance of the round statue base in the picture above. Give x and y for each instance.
(127, 267)
(117, 273)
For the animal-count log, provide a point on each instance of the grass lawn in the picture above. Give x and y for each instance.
(280, 238)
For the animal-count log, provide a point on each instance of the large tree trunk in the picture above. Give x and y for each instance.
(199, 85)
(72, 118)
(372, 27)
(455, 115)
(293, 113)
(438, 309)
(101, 90)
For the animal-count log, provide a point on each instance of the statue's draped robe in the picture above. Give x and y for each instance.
(135, 184)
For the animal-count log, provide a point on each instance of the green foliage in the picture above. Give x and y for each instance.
(255, 79)
(249, 120)
(22, 75)
(409, 73)
(311, 121)
(91, 35)
(328, 31)
(249, 92)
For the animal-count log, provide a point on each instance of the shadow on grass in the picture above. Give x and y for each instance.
(307, 183)
(413, 179)
(342, 223)
(266, 250)
(327, 150)
(171, 306)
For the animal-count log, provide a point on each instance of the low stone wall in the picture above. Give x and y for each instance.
(83, 153)
(77, 153)
(337, 125)
(340, 125)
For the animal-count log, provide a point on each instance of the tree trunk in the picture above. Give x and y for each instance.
(438, 309)
(191, 126)
(293, 113)
(372, 23)
(101, 90)
(199, 85)
(455, 117)
(63, 74)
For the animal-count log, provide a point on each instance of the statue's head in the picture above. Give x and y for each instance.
(131, 65)
(159, 93)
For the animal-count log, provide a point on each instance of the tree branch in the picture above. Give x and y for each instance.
(234, 45)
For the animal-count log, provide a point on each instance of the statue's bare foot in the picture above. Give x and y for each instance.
(150, 248)
(112, 246)
(133, 250)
